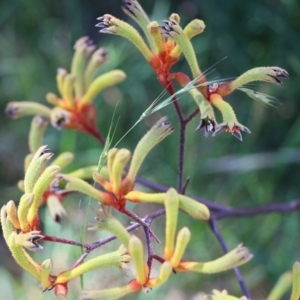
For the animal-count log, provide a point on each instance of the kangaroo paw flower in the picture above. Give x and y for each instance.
(106, 221)
(236, 257)
(164, 273)
(281, 287)
(60, 118)
(16, 110)
(296, 281)
(232, 127)
(17, 251)
(171, 206)
(66, 183)
(46, 268)
(36, 167)
(267, 74)
(171, 28)
(135, 249)
(12, 214)
(183, 238)
(161, 129)
(134, 10)
(117, 259)
(40, 187)
(110, 24)
(56, 209)
(223, 295)
(38, 126)
(29, 240)
(230, 122)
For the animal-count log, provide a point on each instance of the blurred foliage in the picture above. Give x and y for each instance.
(37, 37)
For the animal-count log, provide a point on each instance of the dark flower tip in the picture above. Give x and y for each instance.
(208, 125)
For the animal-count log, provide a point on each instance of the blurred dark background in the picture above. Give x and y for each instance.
(37, 37)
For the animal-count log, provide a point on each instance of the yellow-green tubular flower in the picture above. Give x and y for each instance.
(16, 110)
(192, 29)
(164, 273)
(11, 211)
(155, 31)
(110, 24)
(46, 268)
(41, 185)
(135, 249)
(236, 257)
(230, 122)
(63, 159)
(173, 30)
(27, 160)
(207, 115)
(120, 160)
(296, 281)
(100, 83)
(17, 251)
(52, 99)
(98, 58)
(83, 49)
(87, 172)
(217, 295)
(23, 208)
(56, 209)
(134, 10)
(66, 183)
(36, 167)
(161, 129)
(111, 154)
(175, 17)
(111, 294)
(106, 221)
(195, 209)
(99, 178)
(7, 226)
(282, 285)
(171, 206)
(20, 185)
(182, 241)
(59, 116)
(60, 77)
(36, 134)
(117, 259)
(68, 88)
(268, 74)
(29, 240)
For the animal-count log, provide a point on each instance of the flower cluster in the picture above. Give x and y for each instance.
(74, 107)
(119, 188)
(115, 182)
(22, 231)
(51, 197)
(166, 43)
(172, 254)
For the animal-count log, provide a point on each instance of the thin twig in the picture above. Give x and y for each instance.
(291, 206)
(216, 230)
(137, 219)
(191, 116)
(182, 129)
(48, 238)
(90, 247)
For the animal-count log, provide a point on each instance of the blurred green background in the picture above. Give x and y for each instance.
(37, 37)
